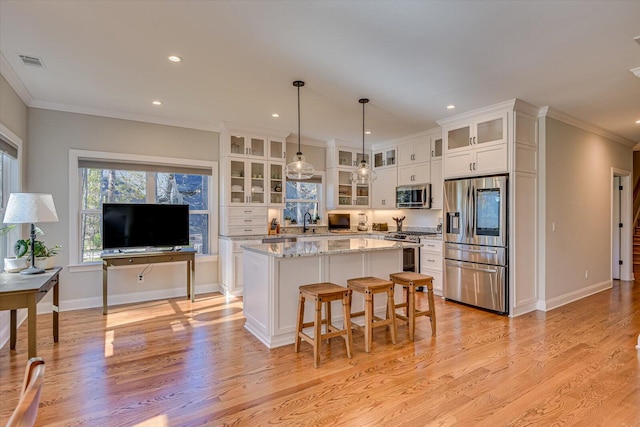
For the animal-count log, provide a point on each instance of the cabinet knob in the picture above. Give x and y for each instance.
(130, 260)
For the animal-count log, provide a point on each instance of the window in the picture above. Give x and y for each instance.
(302, 197)
(10, 147)
(109, 179)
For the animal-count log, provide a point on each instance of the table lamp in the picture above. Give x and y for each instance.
(29, 208)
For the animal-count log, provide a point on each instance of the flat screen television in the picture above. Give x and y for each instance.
(130, 225)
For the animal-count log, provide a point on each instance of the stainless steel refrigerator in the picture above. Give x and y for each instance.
(476, 242)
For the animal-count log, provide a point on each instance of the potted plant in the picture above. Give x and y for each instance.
(287, 220)
(45, 256)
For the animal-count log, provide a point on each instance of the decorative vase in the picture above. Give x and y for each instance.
(13, 265)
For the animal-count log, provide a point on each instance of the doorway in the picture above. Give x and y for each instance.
(621, 226)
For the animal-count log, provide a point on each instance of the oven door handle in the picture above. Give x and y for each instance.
(484, 270)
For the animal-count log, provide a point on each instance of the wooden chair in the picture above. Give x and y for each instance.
(369, 286)
(323, 293)
(25, 413)
(410, 281)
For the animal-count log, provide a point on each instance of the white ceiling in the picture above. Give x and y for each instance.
(411, 58)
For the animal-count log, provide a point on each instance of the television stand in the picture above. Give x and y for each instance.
(148, 257)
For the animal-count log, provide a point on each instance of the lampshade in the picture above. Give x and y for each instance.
(299, 168)
(363, 175)
(29, 208)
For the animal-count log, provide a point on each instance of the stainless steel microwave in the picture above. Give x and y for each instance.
(417, 196)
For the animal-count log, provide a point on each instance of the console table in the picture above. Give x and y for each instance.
(25, 291)
(137, 258)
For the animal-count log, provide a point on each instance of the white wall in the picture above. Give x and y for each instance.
(578, 201)
(51, 135)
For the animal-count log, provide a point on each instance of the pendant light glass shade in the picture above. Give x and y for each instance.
(299, 168)
(363, 175)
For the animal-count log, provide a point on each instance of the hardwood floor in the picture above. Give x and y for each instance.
(172, 362)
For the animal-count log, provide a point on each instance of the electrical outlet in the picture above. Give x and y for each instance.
(140, 278)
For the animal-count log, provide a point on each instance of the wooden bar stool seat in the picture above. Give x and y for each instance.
(369, 286)
(410, 281)
(323, 293)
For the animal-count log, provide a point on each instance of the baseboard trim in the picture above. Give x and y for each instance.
(570, 297)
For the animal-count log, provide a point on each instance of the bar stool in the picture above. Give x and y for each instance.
(323, 293)
(409, 281)
(369, 286)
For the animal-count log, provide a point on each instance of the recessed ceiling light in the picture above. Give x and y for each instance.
(174, 58)
(156, 102)
(367, 132)
(450, 107)
(638, 122)
(275, 115)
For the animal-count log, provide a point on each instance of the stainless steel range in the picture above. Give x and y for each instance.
(410, 256)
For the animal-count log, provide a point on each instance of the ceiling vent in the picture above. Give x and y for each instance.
(32, 60)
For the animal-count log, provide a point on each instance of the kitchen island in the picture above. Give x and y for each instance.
(274, 271)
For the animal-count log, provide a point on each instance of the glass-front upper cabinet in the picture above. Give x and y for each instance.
(242, 145)
(276, 184)
(277, 149)
(436, 147)
(384, 157)
(247, 179)
(487, 130)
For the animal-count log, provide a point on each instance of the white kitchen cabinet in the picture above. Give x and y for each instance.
(384, 158)
(482, 131)
(414, 151)
(231, 279)
(384, 189)
(436, 146)
(243, 182)
(277, 149)
(339, 156)
(436, 184)
(276, 184)
(476, 161)
(342, 193)
(477, 147)
(244, 221)
(414, 174)
(431, 262)
(243, 145)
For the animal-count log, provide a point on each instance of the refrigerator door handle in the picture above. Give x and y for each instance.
(478, 251)
(484, 270)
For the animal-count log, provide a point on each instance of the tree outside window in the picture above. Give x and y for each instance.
(303, 197)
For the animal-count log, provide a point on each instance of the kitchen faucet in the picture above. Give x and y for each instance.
(304, 222)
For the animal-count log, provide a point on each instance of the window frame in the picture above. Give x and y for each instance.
(320, 199)
(11, 183)
(75, 197)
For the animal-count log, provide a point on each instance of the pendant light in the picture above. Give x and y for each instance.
(364, 175)
(299, 168)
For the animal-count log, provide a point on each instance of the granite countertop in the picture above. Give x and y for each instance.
(326, 247)
(338, 235)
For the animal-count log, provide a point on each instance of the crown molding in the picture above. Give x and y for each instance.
(121, 115)
(14, 81)
(230, 127)
(574, 121)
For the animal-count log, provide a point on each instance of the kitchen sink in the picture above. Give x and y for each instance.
(279, 240)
